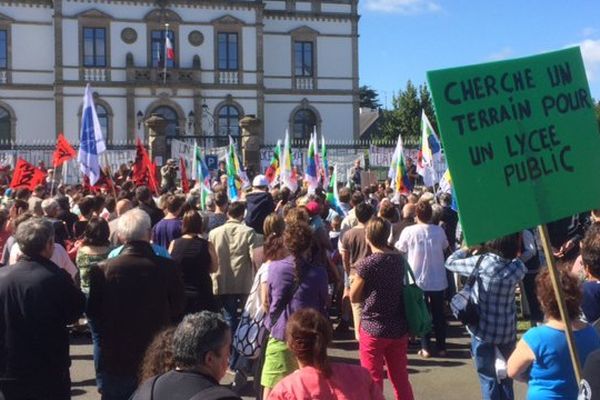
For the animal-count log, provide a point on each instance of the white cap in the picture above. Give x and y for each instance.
(260, 180)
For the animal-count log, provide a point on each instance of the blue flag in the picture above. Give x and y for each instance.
(91, 143)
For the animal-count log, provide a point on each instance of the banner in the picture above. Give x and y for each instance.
(519, 137)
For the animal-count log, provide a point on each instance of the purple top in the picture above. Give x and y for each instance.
(383, 308)
(165, 231)
(312, 292)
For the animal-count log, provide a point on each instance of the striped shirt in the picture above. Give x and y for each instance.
(494, 292)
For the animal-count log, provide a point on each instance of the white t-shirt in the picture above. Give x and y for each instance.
(424, 246)
(59, 257)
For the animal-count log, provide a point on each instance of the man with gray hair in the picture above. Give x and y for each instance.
(201, 347)
(121, 208)
(50, 207)
(37, 302)
(132, 297)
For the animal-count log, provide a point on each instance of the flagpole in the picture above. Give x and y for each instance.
(165, 54)
(52, 183)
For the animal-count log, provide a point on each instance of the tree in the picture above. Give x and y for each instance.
(598, 113)
(405, 116)
(369, 98)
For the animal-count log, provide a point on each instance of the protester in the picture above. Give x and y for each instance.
(147, 204)
(355, 176)
(308, 334)
(201, 345)
(293, 284)
(424, 246)
(168, 173)
(197, 259)
(219, 216)
(498, 274)
(590, 254)
(542, 357)
(234, 243)
(132, 297)
(169, 228)
(38, 300)
(530, 255)
(121, 208)
(50, 208)
(158, 358)
(448, 220)
(65, 214)
(35, 200)
(86, 211)
(383, 328)
(59, 255)
(354, 248)
(259, 203)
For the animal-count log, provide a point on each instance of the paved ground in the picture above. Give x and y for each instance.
(451, 378)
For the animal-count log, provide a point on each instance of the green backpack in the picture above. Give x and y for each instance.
(417, 314)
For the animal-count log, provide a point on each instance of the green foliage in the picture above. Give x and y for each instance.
(405, 115)
(369, 98)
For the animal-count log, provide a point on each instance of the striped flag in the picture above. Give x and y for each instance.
(397, 172)
(324, 163)
(430, 154)
(273, 171)
(311, 175)
(202, 175)
(288, 175)
(333, 197)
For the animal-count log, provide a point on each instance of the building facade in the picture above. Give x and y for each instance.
(293, 64)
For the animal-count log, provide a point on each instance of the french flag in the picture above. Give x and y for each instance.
(169, 49)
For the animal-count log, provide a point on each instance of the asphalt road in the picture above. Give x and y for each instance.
(450, 378)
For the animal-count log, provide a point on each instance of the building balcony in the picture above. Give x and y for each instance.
(95, 74)
(228, 77)
(155, 75)
(304, 83)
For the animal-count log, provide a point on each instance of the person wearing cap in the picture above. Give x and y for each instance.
(259, 204)
(168, 174)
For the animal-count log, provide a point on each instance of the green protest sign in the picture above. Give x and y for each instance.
(521, 141)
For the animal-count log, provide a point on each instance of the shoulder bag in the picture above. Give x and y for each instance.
(417, 314)
(462, 304)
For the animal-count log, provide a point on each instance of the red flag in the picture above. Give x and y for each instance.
(144, 171)
(26, 176)
(103, 182)
(64, 151)
(185, 183)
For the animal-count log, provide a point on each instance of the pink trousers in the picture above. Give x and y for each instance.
(374, 351)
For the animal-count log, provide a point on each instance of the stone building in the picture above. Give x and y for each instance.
(293, 64)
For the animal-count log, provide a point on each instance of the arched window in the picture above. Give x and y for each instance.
(4, 124)
(304, 123)
(169, 114)
(228, 121)
(103, 119)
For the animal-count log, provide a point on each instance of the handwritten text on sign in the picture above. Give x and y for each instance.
(517, 135)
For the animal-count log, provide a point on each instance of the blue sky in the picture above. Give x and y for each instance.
(403, 39)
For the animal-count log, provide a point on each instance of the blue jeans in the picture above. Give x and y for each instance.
(118, 387)
(96, 352)
(484, 357)
(230, 304)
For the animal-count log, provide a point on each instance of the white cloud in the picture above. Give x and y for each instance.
(502, 54)
(403, 6)
(590, 51)
(588, 31)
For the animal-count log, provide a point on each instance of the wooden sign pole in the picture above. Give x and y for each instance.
(560, 299)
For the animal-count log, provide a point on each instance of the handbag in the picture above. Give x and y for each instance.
(251, 329)
(417, 314)
(462, 304)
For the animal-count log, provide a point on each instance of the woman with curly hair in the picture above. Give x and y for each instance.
(308, 333)
(541, 357)
(158, 357)
(293, 283)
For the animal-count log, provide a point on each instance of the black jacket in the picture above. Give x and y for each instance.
(37, 301)
(182, 385)
(132, 297)
(259, 205)
(155, 213)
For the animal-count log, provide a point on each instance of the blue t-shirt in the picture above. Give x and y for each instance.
(552, 375)
(158, 250)
(590, 304)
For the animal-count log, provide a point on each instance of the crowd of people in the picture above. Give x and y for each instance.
(160, 285)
